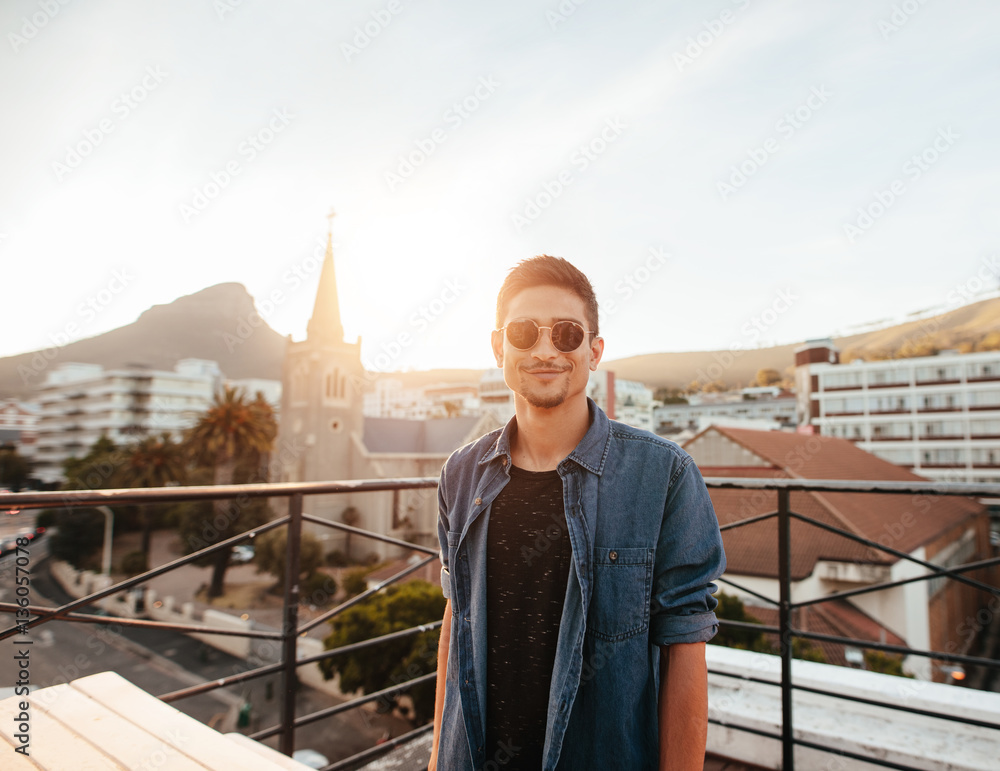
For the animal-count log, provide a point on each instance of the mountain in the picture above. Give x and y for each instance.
(207, 325)
(960, 328)
(210, 324)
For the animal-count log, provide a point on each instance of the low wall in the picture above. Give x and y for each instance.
(916, 741)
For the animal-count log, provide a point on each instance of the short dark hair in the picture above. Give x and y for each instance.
(545, 270)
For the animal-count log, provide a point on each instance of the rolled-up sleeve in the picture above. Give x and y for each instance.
(443, 535)
(689, 557)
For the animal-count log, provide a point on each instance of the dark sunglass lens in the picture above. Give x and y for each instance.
(567, 336)
(522, 334)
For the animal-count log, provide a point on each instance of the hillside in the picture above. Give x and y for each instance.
(960, 328)
(196, 326)
(191, 327)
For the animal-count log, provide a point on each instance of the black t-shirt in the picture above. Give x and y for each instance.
(528, 557)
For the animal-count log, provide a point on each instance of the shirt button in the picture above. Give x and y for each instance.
(613, 556)
(479, 501)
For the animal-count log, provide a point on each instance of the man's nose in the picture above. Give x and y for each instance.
(543, 347)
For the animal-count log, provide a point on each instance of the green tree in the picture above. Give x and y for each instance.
(731, 608)
(355, 581)
(271, 549)
(233, 429)
(14, 468)
(96, 470)
(886, 663)
(200, 524)
(154, 461)
(372, 669)
(78, 535)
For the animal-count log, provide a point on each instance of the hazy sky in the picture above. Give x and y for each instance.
(726, 172)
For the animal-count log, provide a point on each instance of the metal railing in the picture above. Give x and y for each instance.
(292, 629)
(787, 633)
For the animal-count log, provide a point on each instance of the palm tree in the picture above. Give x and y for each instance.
(231, 430)
(155, 461)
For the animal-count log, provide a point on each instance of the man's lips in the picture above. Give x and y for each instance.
(545, 373)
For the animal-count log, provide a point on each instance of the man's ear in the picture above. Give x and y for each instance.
(496, 340)
(596, 352)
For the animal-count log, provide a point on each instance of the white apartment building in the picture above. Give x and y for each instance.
(80, 402)
(765, 408)
(19, 426)
(389, 399)
(938, 415)
(494, 395)
(628, 401)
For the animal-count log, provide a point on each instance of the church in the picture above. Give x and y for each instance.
(325, 436)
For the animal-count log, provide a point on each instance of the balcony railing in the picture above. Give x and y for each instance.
(292, 628)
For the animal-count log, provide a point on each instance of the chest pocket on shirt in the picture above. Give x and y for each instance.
(619, 607)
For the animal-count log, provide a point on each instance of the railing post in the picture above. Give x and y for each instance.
(785, 625)
(290, 628)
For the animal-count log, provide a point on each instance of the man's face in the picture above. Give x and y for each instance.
(544, 376)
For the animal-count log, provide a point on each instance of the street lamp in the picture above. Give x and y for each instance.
(109, 524)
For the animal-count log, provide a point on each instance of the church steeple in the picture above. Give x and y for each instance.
(325, 325)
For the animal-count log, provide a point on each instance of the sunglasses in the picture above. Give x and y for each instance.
(566, 336)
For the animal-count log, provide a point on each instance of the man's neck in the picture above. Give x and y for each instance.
(545, 437)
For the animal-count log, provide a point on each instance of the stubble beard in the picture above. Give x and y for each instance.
(543, 401)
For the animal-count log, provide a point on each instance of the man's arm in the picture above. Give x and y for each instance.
(442, 678)
(683, 707)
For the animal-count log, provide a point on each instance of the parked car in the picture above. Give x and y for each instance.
(242, 554)
(9, 511)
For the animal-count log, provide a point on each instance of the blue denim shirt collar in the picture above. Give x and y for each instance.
(591, 452)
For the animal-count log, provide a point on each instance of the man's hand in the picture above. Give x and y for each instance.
(683, 707)
(444, 642)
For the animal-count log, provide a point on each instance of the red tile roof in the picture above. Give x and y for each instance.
(904, 522)
(837, 618)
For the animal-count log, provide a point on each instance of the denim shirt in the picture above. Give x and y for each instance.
(646, 548)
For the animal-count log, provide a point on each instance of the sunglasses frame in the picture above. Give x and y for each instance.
(538, 334)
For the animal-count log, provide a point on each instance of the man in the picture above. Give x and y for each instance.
(578, 555)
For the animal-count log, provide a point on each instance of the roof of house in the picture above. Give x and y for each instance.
(837, 618)
(436, 436)
(904, 522)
